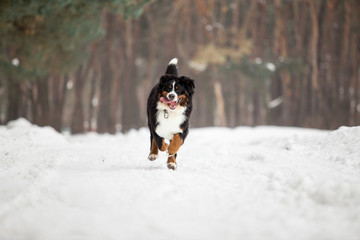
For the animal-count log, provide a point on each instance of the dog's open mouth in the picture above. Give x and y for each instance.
(172, 104)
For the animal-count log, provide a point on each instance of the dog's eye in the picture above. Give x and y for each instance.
(177, 88)
(170, 86)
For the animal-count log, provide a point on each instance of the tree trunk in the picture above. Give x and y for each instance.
(77, 117)
(42, 102)
(93, 97)
(220, 116)
(130, 114)
(344, 77)
(313, 56)
(59, 91)
(13, 99)
(105, 121)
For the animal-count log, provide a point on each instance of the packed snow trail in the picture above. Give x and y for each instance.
(242, 183)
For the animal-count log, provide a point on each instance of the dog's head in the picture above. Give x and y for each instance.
(175, 91)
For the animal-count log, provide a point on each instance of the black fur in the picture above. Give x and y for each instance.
(172, 70)
(185, 87)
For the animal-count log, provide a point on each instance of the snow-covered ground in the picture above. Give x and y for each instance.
(242, 183)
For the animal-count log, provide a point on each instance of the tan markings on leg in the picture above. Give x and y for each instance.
(164, 146)
(175, 144)
(154, 151)
(154, 148)
(171, 163)
(171, 159)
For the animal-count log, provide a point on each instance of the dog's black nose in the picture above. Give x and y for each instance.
(171, 96)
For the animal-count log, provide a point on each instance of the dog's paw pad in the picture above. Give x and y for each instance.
(152, 157)
(171, 165)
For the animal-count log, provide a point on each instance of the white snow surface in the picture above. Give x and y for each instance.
(241, 183)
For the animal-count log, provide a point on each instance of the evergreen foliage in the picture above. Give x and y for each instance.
(51, 36)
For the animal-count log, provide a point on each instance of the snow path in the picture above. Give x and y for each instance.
(242, 183)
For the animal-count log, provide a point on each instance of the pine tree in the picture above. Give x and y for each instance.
(41, 38)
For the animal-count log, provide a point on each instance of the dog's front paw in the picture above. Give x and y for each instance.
(172, 165)
(152, 157)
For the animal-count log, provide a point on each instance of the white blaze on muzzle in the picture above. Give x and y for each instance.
(171, 99)
(173, 93)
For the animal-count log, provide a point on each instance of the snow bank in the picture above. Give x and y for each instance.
(22, 130)
(242, 183)
(342, 146)
(27, 152)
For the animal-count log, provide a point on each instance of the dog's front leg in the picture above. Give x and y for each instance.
(157, 143)
(154, 150)
(174, 146)
(160, 142)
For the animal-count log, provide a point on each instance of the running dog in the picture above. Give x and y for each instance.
(168, 110)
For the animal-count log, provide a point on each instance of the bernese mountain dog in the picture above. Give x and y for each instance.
(168, 110)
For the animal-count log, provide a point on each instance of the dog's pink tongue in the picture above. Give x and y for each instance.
(172, 103)
(164, 100)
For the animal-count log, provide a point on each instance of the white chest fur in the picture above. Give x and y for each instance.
(169, 126)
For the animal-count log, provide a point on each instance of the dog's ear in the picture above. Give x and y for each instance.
(189, 84)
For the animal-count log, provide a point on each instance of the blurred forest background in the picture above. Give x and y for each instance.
(88, 65)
